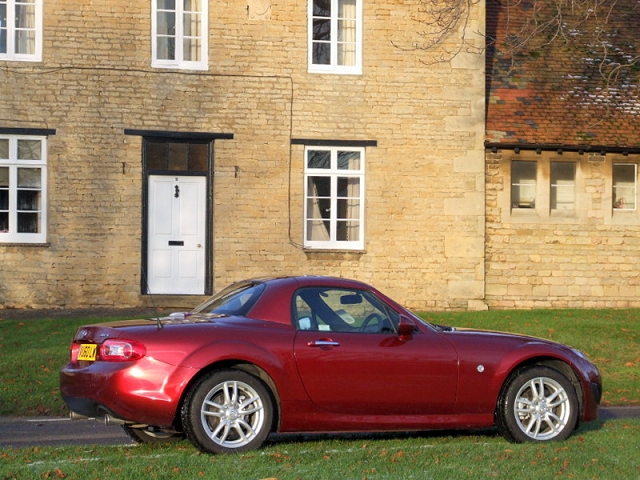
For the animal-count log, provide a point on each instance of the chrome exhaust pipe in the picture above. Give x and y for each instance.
(77, 416)
(111, 420)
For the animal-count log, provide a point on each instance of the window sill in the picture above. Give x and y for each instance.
(336, 254)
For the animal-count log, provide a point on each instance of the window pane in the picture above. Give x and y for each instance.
(348, 160)
(198, 157)
(3, 27)
(166, 5)
(192, 48)
(166, 31)
(28, 222)
(4, 177)
(563, 176)
(321, 29)
(25, 28)
(321, 53)
(29, 150)
(192, 5)
(348, 209)
(166, 23)
(178, 156)
(29, 178)
(166, 48)
(4, 199)
(156, 156)
(319, 159)
(321, 8)
(318, 208)
(192, 25)
(624, 186)
(348, 187)
(4, 222)
(348, 231)
(347, 54)
(4, 148)
(3, 40)
(523, 184)
(28, 200)
(319, 187)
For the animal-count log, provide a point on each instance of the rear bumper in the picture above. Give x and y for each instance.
(146, 391)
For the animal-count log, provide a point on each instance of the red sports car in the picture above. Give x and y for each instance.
(317, 354)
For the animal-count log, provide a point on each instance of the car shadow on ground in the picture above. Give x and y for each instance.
(293, 438)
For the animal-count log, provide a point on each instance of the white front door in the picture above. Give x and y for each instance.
(176, 235)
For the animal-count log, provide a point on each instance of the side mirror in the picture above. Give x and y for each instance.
(406, 328)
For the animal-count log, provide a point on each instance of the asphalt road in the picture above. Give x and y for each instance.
(30, 432)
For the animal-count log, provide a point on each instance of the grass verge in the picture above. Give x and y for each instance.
(599, 450)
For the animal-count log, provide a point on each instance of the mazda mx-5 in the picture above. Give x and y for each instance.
(318, 354)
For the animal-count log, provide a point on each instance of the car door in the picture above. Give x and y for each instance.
(349, 367)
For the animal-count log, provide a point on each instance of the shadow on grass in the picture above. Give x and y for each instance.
(280, 439)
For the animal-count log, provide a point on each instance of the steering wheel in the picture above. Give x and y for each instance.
(370, 318)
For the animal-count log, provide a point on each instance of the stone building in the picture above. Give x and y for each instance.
(170, 148)
(563, 148)
(154, 152)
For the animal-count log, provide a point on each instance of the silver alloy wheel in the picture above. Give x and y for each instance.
(232, 414)
(542, 408)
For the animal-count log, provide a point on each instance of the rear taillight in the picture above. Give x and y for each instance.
(75, 348)
(116, 350)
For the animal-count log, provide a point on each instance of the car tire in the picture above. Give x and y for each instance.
(144, 435)
(537, 404)
(228, 411)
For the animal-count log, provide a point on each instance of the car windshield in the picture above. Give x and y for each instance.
(237, 299)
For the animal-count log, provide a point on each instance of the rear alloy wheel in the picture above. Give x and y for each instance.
(228, 411)
(152, 435)
(539, 404)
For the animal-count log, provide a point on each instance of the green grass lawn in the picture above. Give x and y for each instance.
(32, 351)
(599, 450)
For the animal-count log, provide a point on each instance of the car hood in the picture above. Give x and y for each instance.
(488, 335)
(488, 340)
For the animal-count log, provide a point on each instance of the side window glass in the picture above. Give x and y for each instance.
(339, 310)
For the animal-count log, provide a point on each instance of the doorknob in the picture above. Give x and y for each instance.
(177, 194)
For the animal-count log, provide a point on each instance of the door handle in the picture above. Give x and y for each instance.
(323, 343)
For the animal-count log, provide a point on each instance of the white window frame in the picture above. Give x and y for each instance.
(10, 31)
(625, 196)
(331, 242)
(179, 62)
(334, 42)
(13, 163)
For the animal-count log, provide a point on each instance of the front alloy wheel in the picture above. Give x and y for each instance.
(539, 404)
(228, 411)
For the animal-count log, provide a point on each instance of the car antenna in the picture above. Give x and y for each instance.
(153, 303)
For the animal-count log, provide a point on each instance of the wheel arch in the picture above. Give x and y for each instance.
(235, 364)
(552, 362)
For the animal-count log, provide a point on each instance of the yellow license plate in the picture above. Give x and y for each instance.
(87, 352)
